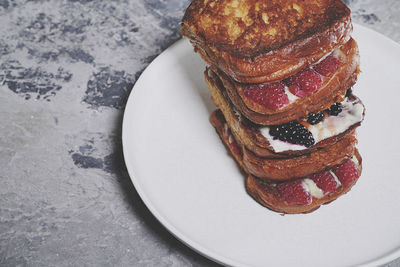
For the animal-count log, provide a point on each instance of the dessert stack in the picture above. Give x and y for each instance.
(280, 74)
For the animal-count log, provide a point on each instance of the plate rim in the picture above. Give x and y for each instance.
(194, 245)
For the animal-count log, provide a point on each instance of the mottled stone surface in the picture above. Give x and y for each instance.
(66, 70)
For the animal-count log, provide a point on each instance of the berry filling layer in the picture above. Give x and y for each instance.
(302, 191)
(299, 135)
(277, 95)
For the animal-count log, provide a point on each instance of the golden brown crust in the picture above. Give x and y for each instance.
(256, 41)
(249, 134)
(266, 195)
(300, 166)
(332, 91)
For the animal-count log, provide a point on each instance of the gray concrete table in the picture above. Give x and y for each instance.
(66, 70)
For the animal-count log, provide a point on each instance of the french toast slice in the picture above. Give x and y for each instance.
(332, 90)
(256, 41)
(299, 194)
(347, 57)
(267, 195)
(258, 140)
(279, 169)
(300, 166)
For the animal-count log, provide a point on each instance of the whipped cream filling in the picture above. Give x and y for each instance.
(309, 186)
(355, 160)
(352, 113)
(333, 125)
(338, 183)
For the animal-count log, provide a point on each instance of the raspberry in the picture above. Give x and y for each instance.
(346, 172)
(292, 132)
(327, 66)
(294, 193)
(295, 89)
(271, 95)
(307, 82)
(314, 118)
(335, 109)
(325, 181)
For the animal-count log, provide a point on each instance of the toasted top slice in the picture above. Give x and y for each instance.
(258, 41)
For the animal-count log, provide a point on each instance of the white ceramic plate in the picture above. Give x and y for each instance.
(193, 187)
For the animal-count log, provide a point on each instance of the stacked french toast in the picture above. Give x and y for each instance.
(281, 75)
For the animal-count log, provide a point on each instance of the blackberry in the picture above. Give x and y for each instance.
(349, 92)
(335, 109)
(314, 118)
(292, 132)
